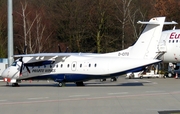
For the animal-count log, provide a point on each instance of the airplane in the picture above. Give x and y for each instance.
(80, 67)
(169, 43)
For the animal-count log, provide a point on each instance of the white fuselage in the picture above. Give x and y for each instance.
(94, 66)
(170, 43)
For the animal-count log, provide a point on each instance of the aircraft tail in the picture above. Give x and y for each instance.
(147, 44)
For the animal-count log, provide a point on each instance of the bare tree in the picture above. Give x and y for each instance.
(124, 11)
(33, 29)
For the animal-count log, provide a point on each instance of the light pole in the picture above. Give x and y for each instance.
(10, 32)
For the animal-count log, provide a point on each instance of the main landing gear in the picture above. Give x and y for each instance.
(113, 79)
(62, 84)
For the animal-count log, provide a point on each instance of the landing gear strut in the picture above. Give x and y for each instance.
(7, 83)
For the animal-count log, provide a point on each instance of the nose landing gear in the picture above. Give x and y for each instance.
(15, 85)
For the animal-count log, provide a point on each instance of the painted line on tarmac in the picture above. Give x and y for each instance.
(3, 100)
(79, 95)
(82, 98)
(155, 91)
(120, 93)
(36, 98)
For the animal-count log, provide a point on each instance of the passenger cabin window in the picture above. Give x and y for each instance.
(89, 65)
(68, 65)
(80, 65)
(73, 65)
(95, 65)
(57, 66)
(61, 65)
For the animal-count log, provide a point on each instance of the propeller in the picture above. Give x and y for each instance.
(21, 60)
(59, 48)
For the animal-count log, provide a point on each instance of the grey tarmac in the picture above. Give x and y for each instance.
(126, 96)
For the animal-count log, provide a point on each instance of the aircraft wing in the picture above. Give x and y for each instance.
(46, 54)
(39, 59)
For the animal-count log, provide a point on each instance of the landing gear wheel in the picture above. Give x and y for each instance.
(61, 84)
(113, 79)
(7, 84)
(15, 85)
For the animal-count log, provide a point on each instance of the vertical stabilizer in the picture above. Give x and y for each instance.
(146, 45)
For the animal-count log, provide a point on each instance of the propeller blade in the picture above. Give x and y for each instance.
(28, 69)
(59, 48)
(21, 68)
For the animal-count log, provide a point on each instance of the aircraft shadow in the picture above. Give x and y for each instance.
(87, 84)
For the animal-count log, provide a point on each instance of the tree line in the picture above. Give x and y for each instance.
(81, 25)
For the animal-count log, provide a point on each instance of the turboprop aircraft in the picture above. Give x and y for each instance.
(80, 67)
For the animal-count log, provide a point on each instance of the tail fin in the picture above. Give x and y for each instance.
(146, 45)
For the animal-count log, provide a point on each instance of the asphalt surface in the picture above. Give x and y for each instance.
(126, 96)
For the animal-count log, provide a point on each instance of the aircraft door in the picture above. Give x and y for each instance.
(162, 43)
(74, 66)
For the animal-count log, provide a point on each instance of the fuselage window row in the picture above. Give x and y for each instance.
(173, 41)
(68, 65)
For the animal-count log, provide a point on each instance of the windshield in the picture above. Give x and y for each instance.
(14, 64)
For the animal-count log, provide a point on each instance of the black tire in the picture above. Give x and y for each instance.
(61, 84)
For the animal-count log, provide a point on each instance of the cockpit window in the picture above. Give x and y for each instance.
(14, 64)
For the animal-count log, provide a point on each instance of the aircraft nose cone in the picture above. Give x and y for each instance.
(4, 74)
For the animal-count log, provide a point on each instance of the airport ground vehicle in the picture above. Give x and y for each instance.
(148, 73)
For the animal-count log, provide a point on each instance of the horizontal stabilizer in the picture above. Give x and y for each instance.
(154, 21)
